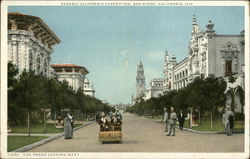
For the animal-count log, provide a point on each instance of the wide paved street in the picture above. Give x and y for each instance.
(144, 135)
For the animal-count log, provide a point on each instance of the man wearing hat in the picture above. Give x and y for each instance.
(115, 123)
(172, 121)
(165, 119)
(229, 116)
(119, 115)
(103, 122)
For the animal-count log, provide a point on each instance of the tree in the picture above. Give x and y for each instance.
(241, 93)
(215, 96)
(12, 73)
(27, 94)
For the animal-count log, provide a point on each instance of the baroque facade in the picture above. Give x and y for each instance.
(30, 43)
(209, 54)
(71, 73)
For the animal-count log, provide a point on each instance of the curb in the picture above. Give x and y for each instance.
(203, 132)
(36, 144)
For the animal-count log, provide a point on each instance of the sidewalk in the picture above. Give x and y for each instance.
(202, 132)
(34, 134)
(51, 138)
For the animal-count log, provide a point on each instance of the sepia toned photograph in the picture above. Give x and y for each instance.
(125, 79)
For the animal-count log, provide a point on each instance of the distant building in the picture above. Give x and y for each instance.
(209, 54)
(140, 83)
(30, 43)
(71, 73)
(87, 89)
(155, 89)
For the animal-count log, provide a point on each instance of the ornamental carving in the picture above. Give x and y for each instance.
(229, 51)
(229, 46)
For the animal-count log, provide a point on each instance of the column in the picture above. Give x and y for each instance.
(14, 52)
(10, 51)
(21, 57)
(224, 67)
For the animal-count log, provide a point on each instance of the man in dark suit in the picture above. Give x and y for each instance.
(115, 123)
(181, 120)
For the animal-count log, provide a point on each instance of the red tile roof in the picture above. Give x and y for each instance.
(16, 14)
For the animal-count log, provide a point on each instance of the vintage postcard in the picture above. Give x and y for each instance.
(125, 79)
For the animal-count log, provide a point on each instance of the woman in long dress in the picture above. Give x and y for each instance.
(68, 131)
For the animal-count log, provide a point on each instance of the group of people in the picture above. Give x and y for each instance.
(68, 126)
(170, 121)
(111, 122)
(228, 120)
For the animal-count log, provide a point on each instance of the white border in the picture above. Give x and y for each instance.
(4, 50)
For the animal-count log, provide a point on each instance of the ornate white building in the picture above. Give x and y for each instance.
(87, 89)
(71, 73)
(30, 43)
(155, 89)
(209, 54)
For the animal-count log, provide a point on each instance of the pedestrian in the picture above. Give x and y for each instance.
(119, 115)
(224, 119)
(72, 123)
(229, 121)
(172, 122)
(68, 130)
(181, 120)
(165, 119)
(97, 117)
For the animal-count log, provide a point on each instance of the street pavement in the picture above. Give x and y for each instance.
(144, 135)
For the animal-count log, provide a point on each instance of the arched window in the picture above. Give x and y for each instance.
(31, 60)
(38, 62)
(45, 67)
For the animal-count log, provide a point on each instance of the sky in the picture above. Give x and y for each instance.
(111, 41)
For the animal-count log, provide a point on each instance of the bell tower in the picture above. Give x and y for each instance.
(140, 81)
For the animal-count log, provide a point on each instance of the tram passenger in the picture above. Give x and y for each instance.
(103, 122)
(118, 114)
(115, 124)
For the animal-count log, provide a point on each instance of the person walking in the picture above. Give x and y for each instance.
(229, 121)
(181, 120)
(172, 122)
(224, 119)
(72, 123)
(68, 130)
(165, 119)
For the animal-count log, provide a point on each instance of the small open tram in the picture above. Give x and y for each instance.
(110, 130)
(114, 135)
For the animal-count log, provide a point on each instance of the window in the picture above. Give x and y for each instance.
(9, 26)
(30, 60)
(202, 76)
(22, 27)
(228, 68)
(38, 65)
